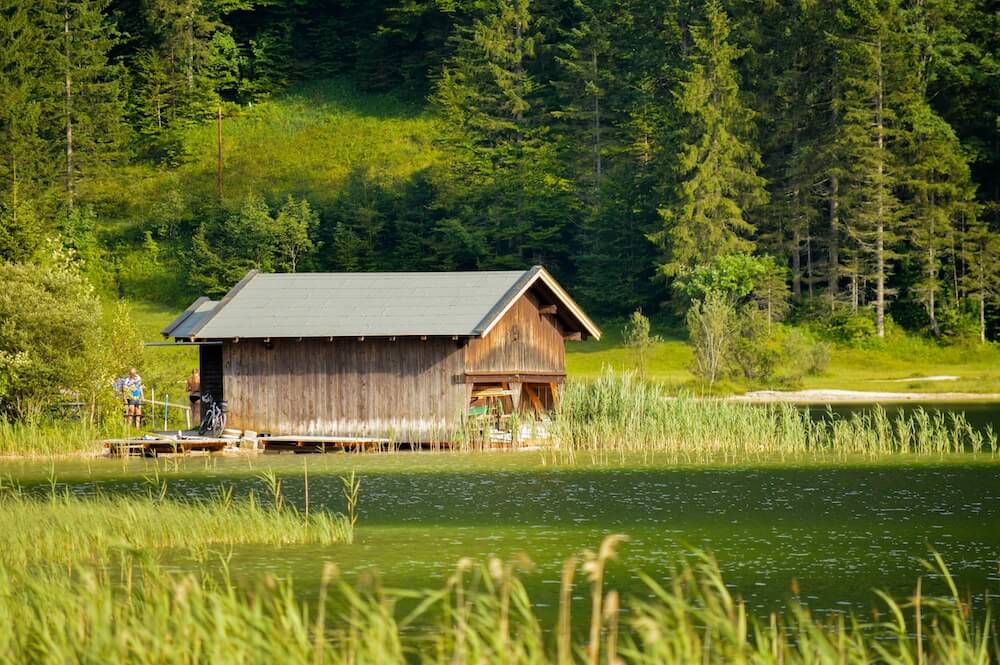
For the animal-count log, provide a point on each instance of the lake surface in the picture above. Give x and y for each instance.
(840, 530)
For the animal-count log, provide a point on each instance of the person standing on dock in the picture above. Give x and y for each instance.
(133, 397)
(194, 394)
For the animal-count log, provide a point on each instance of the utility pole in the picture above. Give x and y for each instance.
(218, 159)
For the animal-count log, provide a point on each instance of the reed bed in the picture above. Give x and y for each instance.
(618, 413)
(63, 528)
(47, 438)
(482, 615)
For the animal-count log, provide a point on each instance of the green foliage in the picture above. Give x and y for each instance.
(50, 322)
(638, 338)
(712, 325)
(252, 238)
(717, 167)
(755, 351)
(610, 141)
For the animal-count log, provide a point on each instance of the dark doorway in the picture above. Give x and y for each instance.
(210, 359)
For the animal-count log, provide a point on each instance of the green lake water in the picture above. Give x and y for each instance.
(840, 529)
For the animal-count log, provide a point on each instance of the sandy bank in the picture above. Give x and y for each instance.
(831, 396)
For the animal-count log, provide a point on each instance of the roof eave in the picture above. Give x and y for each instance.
(522, 286)
(183, 316)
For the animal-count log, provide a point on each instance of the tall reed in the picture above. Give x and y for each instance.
(618, 413)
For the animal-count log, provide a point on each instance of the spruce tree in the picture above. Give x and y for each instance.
(91, 118)
(27, 157)
(718, 181)
(500, 182)
(866, 127)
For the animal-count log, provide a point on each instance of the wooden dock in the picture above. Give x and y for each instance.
(154, 447)
(298, 443)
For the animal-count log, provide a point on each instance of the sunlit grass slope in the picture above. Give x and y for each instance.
(895, 365)
(305, 142)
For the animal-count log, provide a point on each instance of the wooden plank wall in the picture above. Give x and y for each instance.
(409, 389)
(524, 340)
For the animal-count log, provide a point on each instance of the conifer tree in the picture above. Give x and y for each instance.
(91, 121)
(500, 179)
(26, 153)
(719, 184)
(866, 125)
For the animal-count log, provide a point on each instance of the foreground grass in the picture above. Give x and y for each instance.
(61, 528)
(484, 615)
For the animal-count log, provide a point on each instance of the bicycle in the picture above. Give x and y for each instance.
(213, 422)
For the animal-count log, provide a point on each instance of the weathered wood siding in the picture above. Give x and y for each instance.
(410, 389)
(524, 340)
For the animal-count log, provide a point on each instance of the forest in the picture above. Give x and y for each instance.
(841, 156)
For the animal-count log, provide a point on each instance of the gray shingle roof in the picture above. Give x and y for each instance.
(191, 319)
(363, 304)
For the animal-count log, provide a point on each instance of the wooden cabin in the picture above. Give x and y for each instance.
(400, 355)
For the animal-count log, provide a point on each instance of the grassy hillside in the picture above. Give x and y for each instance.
(306, 142)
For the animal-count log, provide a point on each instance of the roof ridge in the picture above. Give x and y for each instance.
(226, 299)
(524, 280)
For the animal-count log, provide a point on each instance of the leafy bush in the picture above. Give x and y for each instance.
(711, 326)
(801, 355)
(638, 338)
(755, 352)
(55, 345)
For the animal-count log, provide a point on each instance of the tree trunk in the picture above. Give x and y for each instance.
(982, 317)
(855, 296)
(598, 167)
(809, 264)
(833, 270)
(190, 51)
(880, 201)
(70, 184)
(932, 277)
(796, 264)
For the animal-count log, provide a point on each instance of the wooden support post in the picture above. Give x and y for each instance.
(554, 387)
(533, 396)
(515, 398)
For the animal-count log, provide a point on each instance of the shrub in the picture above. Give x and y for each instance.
(755, 351)
(637, 338)
(801, 355)
(711, 324)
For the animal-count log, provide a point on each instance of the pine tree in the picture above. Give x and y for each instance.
(865, 128)
(26, 155)
(91, 121)
(935, 181)
(500, 182)
(981, 246)
(719, 184)
(191, 59)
